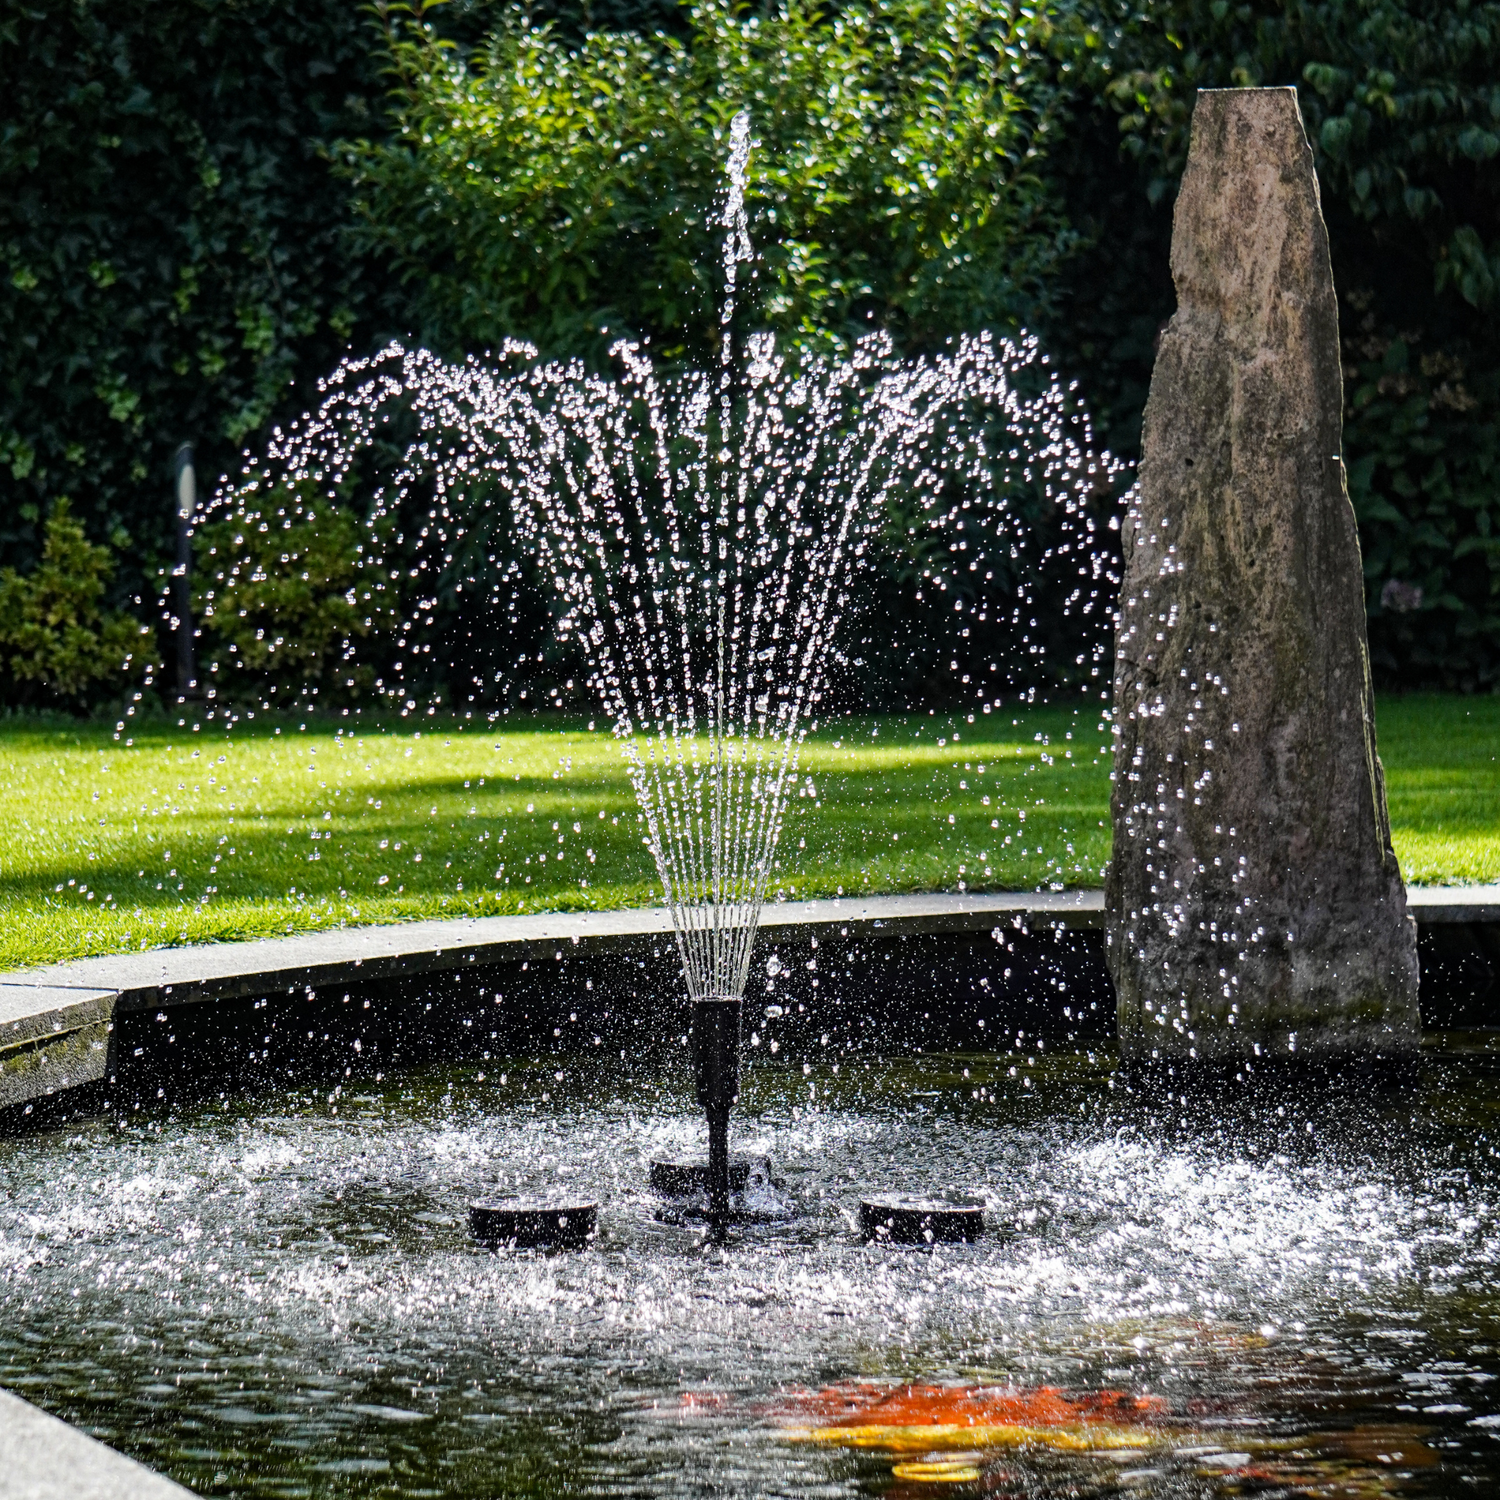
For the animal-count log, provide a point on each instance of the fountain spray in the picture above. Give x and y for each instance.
(700, 532)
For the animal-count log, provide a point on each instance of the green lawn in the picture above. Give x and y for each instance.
(263, 827)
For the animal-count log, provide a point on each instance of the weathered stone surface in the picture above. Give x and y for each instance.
(1254, 906)
(67, 1061)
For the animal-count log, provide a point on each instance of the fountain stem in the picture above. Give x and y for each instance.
(716, 1067)
(718, 1167)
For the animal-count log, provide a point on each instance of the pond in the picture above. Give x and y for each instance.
(278, 1295)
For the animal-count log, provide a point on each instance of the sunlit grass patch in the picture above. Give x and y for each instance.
(269, 827)
(1018, 800)
(1442, 763)
(189, 837)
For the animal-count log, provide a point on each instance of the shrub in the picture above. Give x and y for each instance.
(56, 641)
(569, 194)
(178, 258)
(286, 587)
(568, 191)
(173, 259)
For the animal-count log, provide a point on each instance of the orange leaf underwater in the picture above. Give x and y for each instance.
(907, 1418)
(855, 1402)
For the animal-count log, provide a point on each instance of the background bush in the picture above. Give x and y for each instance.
(284, 588)
(571, 194)
(174, 262)
(202, 204)
(58, 646)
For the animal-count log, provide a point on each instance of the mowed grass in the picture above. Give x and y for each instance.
(1442, 772)
(217, 830)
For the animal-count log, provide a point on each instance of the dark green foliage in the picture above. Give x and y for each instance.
(1402, 104)
(176, 258)
(285, 588)
(58, 645)
(570, 194)
(173, 261)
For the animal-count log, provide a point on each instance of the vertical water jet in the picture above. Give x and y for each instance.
(702, 535)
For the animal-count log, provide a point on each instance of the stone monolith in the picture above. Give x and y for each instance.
(1255, 908)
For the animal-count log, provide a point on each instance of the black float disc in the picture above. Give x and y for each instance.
(899, 1220)
(534, 1223)
(682, 1179)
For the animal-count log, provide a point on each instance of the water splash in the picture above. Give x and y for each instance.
(271, 1265)
(701, 533)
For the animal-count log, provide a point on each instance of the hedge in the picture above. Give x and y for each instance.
(203, 203)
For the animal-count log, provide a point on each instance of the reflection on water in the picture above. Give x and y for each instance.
(280, 1298)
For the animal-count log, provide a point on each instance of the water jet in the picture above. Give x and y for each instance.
(702, 533)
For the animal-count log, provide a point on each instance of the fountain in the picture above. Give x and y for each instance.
(702, 532)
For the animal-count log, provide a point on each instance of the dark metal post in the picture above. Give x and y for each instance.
(187, 503)
(716, 1064)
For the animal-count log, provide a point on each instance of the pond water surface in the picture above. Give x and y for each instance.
(278, 1296)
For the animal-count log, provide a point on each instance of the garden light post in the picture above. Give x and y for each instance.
(187, 502)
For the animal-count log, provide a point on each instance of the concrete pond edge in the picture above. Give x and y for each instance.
(44, 1458)
(55, 1021)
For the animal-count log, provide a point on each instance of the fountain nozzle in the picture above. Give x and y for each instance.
(716, 1069)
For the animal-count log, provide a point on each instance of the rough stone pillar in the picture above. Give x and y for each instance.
(1254, 904)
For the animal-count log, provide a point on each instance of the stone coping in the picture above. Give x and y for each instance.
(1440, 904)
(40, 1005)
(42, 1458)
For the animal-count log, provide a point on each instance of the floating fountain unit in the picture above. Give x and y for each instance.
(534, 1222)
